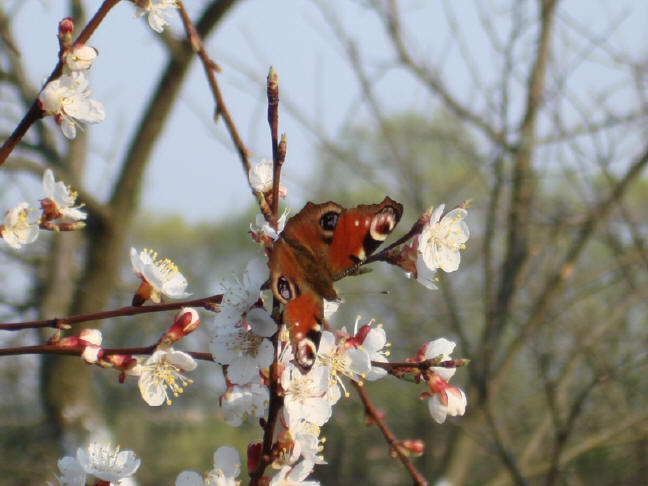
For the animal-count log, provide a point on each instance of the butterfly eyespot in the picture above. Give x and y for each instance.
(305, 354)
(383, 223)
(283, 288)
(329, 220)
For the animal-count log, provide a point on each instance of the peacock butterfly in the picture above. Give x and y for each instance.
(318, 246)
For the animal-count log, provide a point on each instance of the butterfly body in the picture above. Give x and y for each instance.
(318, 246)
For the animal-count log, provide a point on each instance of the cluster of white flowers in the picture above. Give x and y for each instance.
(239, 341)
(100, 461)
(19, 228)
(67, 98)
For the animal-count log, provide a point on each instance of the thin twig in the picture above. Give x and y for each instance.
(274, 407)
(63, 322)
(221, 110)
(391, 439)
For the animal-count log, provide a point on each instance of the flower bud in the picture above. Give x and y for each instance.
(186, 321)
(92, 354)
(91, 336)
(66, 27)
(411, 447)
(80, 57)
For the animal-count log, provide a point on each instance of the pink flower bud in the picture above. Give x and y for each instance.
(411, 447)
(186, 321)
(91, 336)
(66, 26)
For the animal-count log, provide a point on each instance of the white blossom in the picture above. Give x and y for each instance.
(156, 12)
(240, 294)
(444, 399)
(189, 478)
(456, 404)
(440, 348)
(17, 229)
(91, 338)
(442, 238)
(72, 474)
(331, 307)
(341, 361)
(63, 197)
(227, 467)
(68, 99)
(262, 230)
(245, 349)
(162, 275)
(374, 344)
(261, 176)
(161, 376)
(306, 395)
(425, 275)
(80, 57)
(240, 402)
(107, 463)
(294, 475)
(306, 443)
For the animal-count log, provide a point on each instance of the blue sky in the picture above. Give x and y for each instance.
(194, 170)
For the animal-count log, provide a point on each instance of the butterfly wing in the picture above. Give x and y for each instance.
(359, 232)
(303, 315)
(321, 244)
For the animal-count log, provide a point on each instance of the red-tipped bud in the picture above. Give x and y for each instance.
(66, 26)
(411, 447)
(254, 451)
(65, 29)
(185, 322)
(86, 337)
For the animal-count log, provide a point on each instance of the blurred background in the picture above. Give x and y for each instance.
(536, 110)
